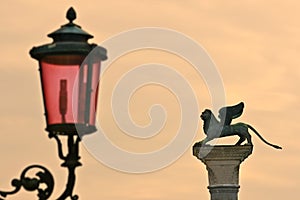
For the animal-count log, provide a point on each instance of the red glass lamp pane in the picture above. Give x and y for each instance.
(70, 92)
(85, 93)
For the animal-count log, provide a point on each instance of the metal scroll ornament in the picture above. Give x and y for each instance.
(42, 178)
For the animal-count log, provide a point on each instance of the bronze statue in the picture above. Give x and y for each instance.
(223, 128)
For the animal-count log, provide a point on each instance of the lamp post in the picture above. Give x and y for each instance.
(69, 71)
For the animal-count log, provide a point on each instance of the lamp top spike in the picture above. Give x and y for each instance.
(71, 14)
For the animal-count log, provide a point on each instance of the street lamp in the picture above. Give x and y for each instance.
(69, 71)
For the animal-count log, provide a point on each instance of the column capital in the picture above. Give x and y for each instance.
(222, 152)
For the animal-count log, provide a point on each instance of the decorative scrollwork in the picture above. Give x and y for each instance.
(43, 177)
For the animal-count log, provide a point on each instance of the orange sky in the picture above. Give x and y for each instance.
(254, 45)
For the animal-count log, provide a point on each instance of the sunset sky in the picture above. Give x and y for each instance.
(254, 45)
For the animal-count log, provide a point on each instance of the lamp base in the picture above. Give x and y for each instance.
(71, 129)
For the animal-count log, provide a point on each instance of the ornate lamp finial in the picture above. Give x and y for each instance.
(71, 14)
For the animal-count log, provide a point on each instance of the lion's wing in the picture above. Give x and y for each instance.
(226, 114)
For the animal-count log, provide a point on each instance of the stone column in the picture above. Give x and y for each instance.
(223, 164)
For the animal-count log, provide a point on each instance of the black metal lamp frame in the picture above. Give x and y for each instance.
(70, 39)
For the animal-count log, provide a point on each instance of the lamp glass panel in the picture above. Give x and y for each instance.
(70, 89)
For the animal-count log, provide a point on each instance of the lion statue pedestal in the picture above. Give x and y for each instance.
(223, 163)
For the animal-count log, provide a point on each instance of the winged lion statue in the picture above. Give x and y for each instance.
(223, 128)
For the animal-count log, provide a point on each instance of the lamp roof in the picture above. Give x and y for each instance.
(70, 31)
(68, 39)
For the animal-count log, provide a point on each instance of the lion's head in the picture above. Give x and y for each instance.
(206, 114)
